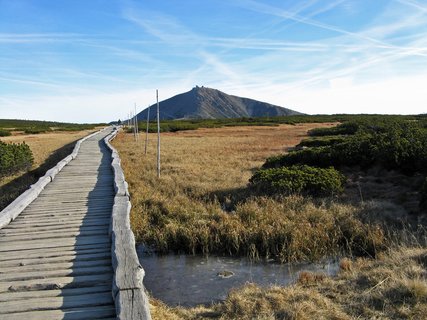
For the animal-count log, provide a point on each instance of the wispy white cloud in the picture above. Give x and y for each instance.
(40, 37)
(414, 4)
(161, 26)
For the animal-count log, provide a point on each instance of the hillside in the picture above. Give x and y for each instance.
(207, 103)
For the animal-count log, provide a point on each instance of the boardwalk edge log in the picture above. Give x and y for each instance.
(128, 290)
(13, 210)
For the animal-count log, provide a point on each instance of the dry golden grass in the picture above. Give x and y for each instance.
(201, 204)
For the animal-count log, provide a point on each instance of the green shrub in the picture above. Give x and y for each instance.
(4, 133)
(14, 157)
(320, 157)
(321, 142)
(298, 179)
(341, 129)
(393, 145)
(36, 130)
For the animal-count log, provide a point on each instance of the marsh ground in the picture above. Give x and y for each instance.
(201, 204)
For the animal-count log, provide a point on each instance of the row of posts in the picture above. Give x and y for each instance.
(133, 122)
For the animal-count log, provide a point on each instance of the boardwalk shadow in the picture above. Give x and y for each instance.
(88, 295)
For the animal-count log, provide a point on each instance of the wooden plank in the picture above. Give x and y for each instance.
(55, 251)
(37, 244)
(63, 219)
(42, 274)
(15, 296)
(61, 302)
(70, 223)
(71, 265)
(52, 235)
(69, 314)
(56, 283)
(62, 257)
(41, 230)
(50, 228)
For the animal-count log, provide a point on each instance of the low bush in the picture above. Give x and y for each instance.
(14, 157)
(321, 141)
(345, 128)
(35, 130)
(298, 179)
(320, 157)
(4, 133)
(394, 146)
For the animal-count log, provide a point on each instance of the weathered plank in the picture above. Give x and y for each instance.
(15, 296)
(99, 312)
(61, 302)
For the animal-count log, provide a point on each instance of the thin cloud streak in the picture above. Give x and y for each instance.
(414, 5)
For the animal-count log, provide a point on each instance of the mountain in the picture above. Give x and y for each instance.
(207, 103)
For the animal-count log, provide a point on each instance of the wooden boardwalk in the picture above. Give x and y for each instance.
(55, 258)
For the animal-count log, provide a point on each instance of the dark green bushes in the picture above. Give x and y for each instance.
(4, 133)
(398, 146)
(391, 143)
(14, 157)
(298, 179)
(321, 141)
(342, 129)
(35, 130)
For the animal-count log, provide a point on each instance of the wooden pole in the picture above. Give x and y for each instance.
(158, 135)
(133, 124)
(136, 124)
(135, 130)
(146, 134)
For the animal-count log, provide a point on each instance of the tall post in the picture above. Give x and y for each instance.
(146, 134)
(158, 135)
(134, 123)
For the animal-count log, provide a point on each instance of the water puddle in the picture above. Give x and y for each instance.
(188, 280)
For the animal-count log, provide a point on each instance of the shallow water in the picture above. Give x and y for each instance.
(189, 280)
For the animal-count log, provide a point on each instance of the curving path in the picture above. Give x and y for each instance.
(55, 258)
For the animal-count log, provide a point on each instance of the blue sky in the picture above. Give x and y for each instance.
(91, 60)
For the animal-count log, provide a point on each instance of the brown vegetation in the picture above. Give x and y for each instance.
(202, 204)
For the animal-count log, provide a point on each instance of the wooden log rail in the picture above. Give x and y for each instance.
(128, 290)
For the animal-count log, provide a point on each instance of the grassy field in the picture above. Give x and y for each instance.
(48, 149)
(202, 204)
